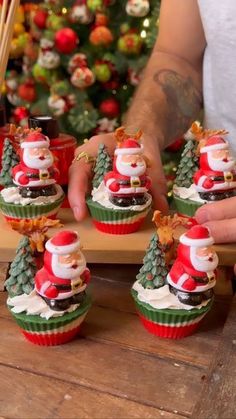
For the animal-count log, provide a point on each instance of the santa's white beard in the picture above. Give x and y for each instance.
(128, 170)
(203, 265)
(219, 165)
(67, 272)
(36, 163)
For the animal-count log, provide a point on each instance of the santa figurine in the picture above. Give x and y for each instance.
(64, 276)
(193, 274)
(35, 175)
(216, 177)
(127, 184)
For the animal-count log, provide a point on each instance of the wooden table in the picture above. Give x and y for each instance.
(115, 369)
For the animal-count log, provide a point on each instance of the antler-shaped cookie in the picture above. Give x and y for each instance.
(35, 229)
(166, 225)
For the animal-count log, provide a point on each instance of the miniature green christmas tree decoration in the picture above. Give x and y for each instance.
(9, 160)
(22, 270)
(103, 165)
(153, 272)
(188, 165)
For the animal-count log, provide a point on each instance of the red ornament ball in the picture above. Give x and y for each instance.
(110, 108)
(27, 92)
(20, 114)
(66, 40)
(40, 18)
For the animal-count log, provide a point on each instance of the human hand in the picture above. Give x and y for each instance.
(80, 174)
(220, 218)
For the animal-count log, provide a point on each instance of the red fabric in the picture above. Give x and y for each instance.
(29, 173)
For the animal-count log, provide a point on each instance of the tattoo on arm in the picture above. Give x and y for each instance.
(184, 101)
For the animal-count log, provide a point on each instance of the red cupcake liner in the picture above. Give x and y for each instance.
(118, 228)
(51, 339)
(171, 332)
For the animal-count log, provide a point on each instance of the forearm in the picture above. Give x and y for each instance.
(168, 99)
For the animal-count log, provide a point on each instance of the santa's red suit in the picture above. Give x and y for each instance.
(189, 273)
(47, 282)
(35, 173)
(127, 180)
(207, 178)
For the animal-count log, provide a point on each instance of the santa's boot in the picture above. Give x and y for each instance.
(28, 192)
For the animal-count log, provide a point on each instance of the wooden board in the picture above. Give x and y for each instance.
(104, 248)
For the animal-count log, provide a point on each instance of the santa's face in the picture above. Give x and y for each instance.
(221, 160)
(38, 158)
(68, 266)
(131, 165)
(204, 259)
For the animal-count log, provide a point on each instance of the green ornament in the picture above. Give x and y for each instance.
(95, 5)
(153, 273)
(55, 22)
(9, 160)
(61, 88)
(103, 165)
(130, 43)
(83, 120)
(22, 270)
(41, 75)
(102, 72)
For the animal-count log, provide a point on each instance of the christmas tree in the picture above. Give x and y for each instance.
(188, 165)
(83, 62)
(103, 165)
(22, 270)
(9, 160)
(153, 272)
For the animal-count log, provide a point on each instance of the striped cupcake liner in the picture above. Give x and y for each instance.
(115, 221)
(17, 211)
(168, 323)
(54, 331)
(185, 206)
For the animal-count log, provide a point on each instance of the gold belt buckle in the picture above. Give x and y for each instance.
(229, 177)
(44, 176)
(135, 183)
(211, 277)
(76, 284)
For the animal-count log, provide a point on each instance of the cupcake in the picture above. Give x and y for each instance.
(49, 305)
(172, 304)
(206, 172)
(35, 192)
(120, 200)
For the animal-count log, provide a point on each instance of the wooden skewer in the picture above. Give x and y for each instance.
(3, 17)
(5, 42)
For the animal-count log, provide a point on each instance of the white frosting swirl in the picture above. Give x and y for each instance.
(33, 304)
(12, 196)
(188, 193)
(101, 196)
(162, 298)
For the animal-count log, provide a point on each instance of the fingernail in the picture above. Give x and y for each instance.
(77, 212)
(202, 216)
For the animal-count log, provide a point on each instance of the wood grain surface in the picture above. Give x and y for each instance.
(114, 369)
(105, 248)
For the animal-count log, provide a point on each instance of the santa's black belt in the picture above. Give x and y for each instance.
(221, 178)
(200, 280)
(33, 176)
(128, 183)
(62, 287)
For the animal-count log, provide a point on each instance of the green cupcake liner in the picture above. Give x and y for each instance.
(168, 316)
(35, 323)
(107, 215)
(185, 206)
(29, 211)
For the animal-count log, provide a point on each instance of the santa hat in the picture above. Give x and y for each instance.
(197, 236)
(35, 140)
(63, 243)
(129, 146)
(215, 143)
